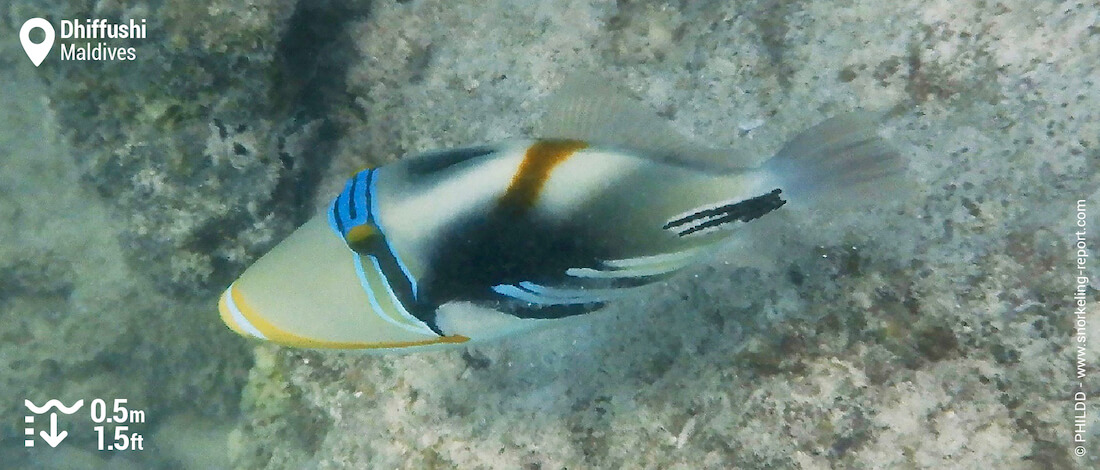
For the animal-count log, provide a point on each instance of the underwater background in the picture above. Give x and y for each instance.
(927, 333)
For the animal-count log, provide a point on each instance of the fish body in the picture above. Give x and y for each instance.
(475, 243)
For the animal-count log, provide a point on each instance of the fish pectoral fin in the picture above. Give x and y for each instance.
(589, 109)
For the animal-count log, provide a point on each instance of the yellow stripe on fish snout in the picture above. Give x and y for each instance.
(232, 303)
(538, 162)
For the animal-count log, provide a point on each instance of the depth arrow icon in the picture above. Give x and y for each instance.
(53, 438)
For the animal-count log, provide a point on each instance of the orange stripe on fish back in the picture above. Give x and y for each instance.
(534, 171)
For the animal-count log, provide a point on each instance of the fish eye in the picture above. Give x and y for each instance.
(362, 238)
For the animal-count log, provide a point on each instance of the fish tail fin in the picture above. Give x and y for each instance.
(841, 163)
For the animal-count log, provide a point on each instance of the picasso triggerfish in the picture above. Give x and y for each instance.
(457, 246)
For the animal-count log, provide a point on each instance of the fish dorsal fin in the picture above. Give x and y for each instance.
(586, 107)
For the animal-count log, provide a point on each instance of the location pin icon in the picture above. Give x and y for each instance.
(37, 52)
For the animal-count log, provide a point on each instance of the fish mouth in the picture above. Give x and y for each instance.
(235, 319)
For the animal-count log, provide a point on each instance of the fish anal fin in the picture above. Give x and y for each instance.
(645, 268)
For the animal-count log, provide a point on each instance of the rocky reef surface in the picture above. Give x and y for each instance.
(930, 332)
(938, 332)
(133, 191)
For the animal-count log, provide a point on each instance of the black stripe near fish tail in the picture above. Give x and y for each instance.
(744, 211)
